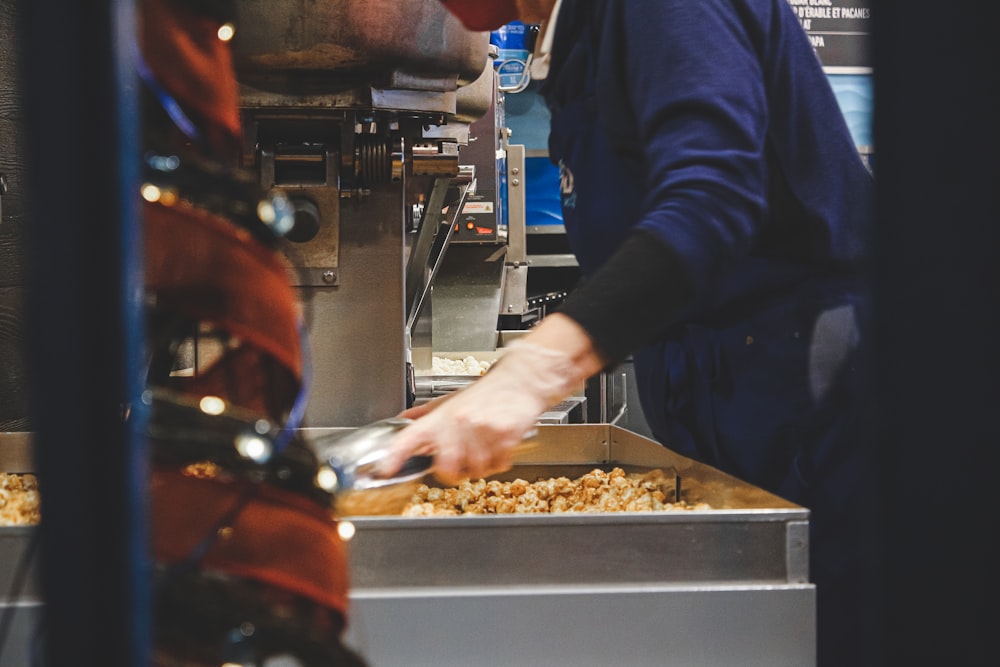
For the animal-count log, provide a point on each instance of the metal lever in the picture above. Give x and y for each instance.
(418, 287)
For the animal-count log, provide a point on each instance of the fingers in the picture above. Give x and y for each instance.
(462, 448)
(416, 438)
(455, 455)
(473, 452)
(404, 444)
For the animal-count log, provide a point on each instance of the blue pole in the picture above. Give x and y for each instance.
(85, 330)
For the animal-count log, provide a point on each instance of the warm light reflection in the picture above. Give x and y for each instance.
(150, 192)
(326, 479)
(346, 530)
(226, 31)
(253, 447)
(212, 405)
(265, 211)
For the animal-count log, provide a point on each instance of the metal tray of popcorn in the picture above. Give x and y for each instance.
(722, 586)
(747, 535)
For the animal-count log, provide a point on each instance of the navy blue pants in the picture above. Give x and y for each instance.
(774, 395)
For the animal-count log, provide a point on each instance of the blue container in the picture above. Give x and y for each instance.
(512, 61)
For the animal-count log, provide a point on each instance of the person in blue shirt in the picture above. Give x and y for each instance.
(719, 211)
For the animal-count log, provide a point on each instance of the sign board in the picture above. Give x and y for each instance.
(840, 31)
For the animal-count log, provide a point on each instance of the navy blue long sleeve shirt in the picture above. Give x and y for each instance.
(704, 158)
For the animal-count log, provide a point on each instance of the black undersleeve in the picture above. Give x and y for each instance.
(632, 298)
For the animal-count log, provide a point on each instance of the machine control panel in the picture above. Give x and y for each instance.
(479, 221)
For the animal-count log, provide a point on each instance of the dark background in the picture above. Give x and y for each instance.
(13, 392)
(936, 370)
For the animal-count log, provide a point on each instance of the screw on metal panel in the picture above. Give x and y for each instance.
(329, 277)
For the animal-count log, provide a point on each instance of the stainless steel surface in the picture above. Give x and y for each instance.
(422, 268)
(581, 549)
(14, 545)
(515, 285)
(746, 537)
(361, 98)
(552, 260)
(716, 588)
(431, 386)
(15, 452)
(21, 648)
(21, 608)
(417, 278)
(517, 239)
(288, 46)
(626, 397)
(336, 82)
(356, 458)
(317, 263)
(720, 587)
(356, 327)
(597, 626)
(570, 411)
(514, 300)
(358, 109)
(351, 468)
(468, 290)
(467, 298)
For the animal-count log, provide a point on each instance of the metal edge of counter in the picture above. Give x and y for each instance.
(16, 454)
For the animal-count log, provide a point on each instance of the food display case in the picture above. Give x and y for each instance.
(722, 586)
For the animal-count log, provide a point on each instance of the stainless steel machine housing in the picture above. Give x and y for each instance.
(359, 112)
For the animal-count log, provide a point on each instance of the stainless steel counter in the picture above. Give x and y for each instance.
(718, 587)
(726, 586)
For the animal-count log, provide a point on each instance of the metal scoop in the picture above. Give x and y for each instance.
(356, 458)
(350, 468)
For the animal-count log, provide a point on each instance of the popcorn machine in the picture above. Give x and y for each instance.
(382, 122)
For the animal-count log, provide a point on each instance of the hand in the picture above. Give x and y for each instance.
(474, 431)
